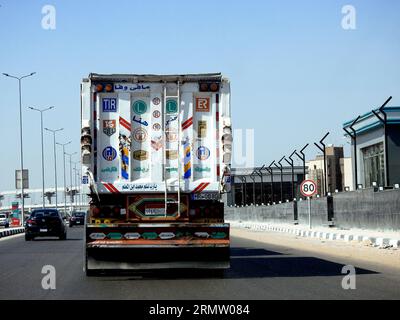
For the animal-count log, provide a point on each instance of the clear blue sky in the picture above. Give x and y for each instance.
(295, 73)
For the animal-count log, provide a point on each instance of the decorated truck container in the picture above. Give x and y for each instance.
(156, 155)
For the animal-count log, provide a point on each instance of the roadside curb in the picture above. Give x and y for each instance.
(9, 232)
(331, 235)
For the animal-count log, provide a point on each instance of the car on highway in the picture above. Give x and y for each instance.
(77, 219)
(4, 221)
(45, 223)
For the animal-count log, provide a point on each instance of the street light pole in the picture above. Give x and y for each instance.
(70, 177)
(21, 140)
(65, 187)
(55, 160)
(41, 135)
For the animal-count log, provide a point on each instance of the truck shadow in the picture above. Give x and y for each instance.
(253, 263)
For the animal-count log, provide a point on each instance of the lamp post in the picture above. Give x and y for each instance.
(70, 177)
(65, 187)
(55, 159)
(76, 174)
(41, 135)
(21, 139)
(323, 150)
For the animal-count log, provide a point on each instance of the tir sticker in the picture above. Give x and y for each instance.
(140, 135)
(140, 155)
(109, 127)
(203, 153)
(109, 153)
(203, 104)
(201, 129)
(139, 107)
(109, 104)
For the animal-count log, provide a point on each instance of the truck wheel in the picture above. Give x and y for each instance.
(28, 238)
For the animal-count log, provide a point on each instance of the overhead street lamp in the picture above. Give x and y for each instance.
(21, 139)
(65, 187)
(55, 159)
(41, 133)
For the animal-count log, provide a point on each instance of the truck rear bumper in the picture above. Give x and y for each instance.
(157, 258)
(199, 246)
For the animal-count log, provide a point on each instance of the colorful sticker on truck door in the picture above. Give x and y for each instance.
(124, 149)
(187, 160)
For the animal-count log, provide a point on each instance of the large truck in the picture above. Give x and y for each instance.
(156, 155)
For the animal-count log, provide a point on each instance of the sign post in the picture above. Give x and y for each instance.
(308, 188)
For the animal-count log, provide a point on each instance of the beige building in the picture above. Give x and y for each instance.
(338, 168)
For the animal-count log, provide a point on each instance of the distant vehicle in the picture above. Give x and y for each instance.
(77, 219)
(4, 221)
(45, 223)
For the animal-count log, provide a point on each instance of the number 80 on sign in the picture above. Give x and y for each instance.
(308, 188)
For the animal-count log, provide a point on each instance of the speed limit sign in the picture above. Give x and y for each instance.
(308, 188)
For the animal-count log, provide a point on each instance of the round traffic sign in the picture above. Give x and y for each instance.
(308, 188)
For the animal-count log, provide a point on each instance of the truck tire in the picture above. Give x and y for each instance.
(28, 238)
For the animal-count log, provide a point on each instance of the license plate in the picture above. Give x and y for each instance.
(205, 196)
(78, 222)
(43, 230)
(154, 211)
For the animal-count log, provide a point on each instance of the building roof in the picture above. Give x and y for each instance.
(369, 121)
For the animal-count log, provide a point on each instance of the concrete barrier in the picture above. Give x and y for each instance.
(363, 209)
(11, 231)
(367, 209)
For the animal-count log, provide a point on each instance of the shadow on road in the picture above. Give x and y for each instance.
(251, 263)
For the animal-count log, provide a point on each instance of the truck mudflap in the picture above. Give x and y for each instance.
(157, 246)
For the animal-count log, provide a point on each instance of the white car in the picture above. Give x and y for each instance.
(4, 222)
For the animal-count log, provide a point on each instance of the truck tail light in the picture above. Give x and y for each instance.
(109, 88)
(99, 87)
(209, 86)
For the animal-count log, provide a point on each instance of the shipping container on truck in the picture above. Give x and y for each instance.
(156, 156)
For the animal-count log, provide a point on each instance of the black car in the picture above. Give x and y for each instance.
(77, 219)
(45, 223)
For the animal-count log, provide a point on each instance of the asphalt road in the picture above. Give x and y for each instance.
(258, 271)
